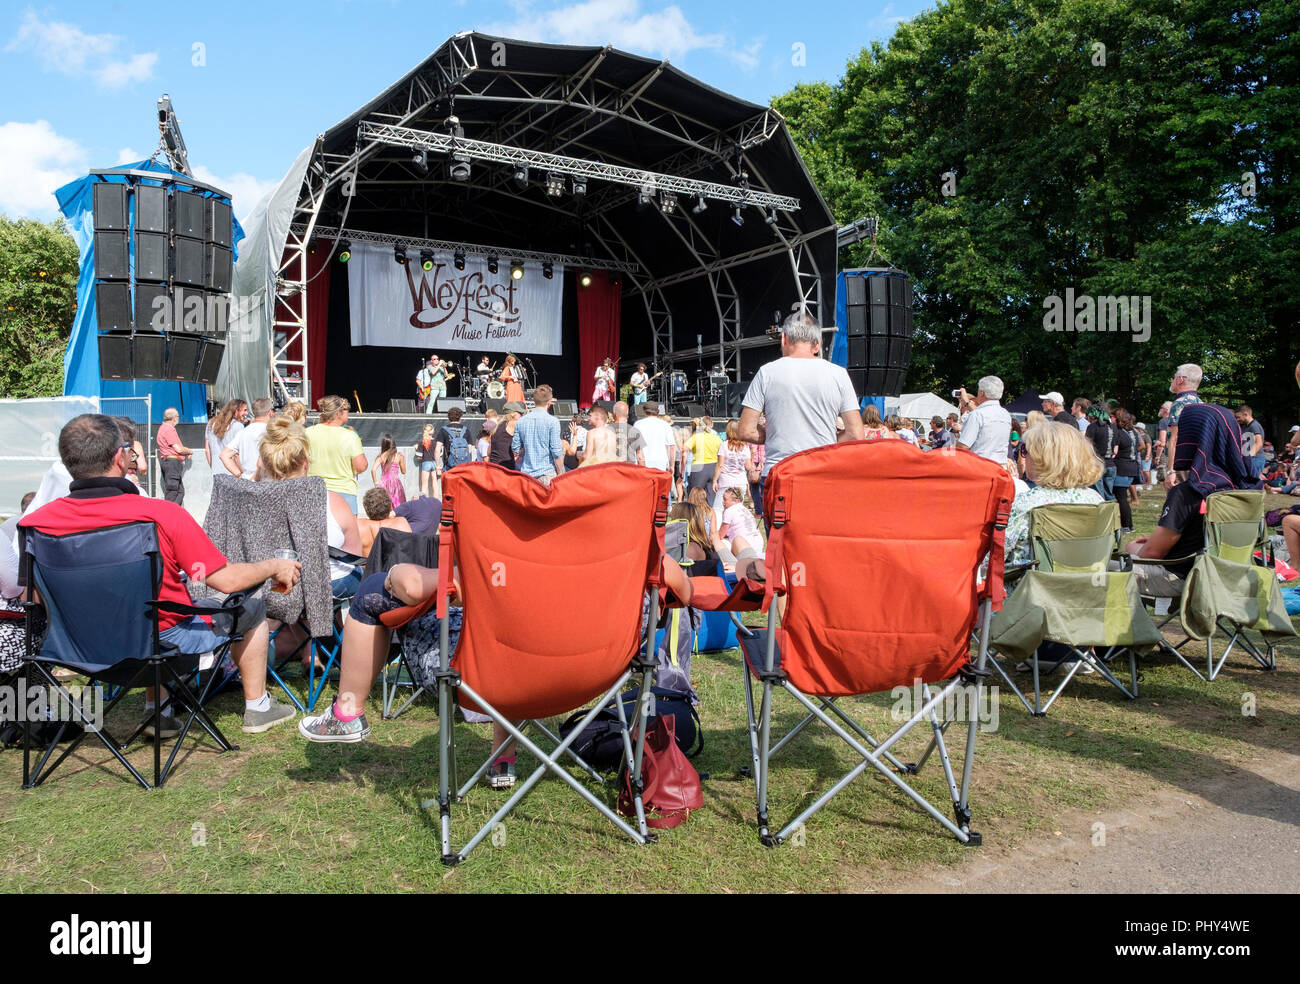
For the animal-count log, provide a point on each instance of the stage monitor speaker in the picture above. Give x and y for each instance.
(113, 307)
(111, 256)
(217, 268)
(607, 404)
(149, 355)
(219, 227)
(190, 213)
(152, 257)
(497, 404)
(147, 307)
(110, 207)
(564, 409)
(182, 358)
(189, 258)
(693, 409)
(115, 356)
(401, 406)
(210, 356)
(151, 209)
(446, 403)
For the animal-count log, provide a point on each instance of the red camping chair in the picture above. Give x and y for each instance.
(853, 527)
(520, 549)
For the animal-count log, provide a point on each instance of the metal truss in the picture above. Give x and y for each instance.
(449, 246)
(541, 161)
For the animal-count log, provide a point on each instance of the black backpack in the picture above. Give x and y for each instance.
(600, 744)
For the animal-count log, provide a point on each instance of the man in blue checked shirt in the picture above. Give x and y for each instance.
(537, 435)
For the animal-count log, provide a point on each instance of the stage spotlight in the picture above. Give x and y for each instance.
(421, 160)
(615, 279)
(737, 218)
(459, 259)
(516, 270)
(579, 187)
(399, 254)
(584, 278)
(645, 197)
(548, 271)
(521, 176)
(700, 205)
(426, 259)
(554, 184)
(345, 251)
(667, 203)
(771, 216)
(493, 264)
(459, 167)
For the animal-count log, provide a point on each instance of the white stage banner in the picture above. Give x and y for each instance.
(445, 308)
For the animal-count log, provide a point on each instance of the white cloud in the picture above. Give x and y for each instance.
(128, 155)
(36, 161)
(664, 33)
(66, 48)
(245, 190)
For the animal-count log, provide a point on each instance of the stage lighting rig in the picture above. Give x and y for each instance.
(493, 264)
(548, 270)
(521, 176)
(645, 197)
(421, 160)
(579, 187)
(516, 270)
(554, 184)
(700, 205)
(459, 259)
(426, 259)
(667, 202)
(345, 251)
(399, 254)
(737, 218)
(584, 278)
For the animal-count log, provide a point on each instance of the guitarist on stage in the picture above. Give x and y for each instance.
(640, 384)
(432, 383)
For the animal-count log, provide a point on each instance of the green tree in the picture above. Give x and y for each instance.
(38, 298)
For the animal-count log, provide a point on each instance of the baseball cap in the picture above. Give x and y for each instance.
(514, 406)
(1053, 397)
(1294, 429)
(1142, 425)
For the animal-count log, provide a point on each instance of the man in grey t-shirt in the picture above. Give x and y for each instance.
(801, 396)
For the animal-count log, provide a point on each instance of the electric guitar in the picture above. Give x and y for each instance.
(646, 385)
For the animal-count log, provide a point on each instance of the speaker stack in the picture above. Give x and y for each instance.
(163, 307)
(879, 311)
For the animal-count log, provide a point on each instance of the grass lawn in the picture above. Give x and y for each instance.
(281, 814)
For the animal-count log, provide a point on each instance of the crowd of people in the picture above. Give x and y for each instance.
(1093, 452)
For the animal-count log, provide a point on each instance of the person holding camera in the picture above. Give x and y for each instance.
(987, 429)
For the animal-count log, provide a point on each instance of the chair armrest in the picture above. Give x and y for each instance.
(1163, 561)
(233, 602)
(337, 553)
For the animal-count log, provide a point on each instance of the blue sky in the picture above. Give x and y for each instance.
(81, 79)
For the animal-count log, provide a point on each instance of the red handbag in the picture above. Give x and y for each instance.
(670, 784)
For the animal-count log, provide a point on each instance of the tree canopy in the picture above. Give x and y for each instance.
(38, 297)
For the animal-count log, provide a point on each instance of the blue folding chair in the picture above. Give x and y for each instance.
(99, 592)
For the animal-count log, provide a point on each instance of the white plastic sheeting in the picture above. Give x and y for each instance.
(29, 442)
(245, 371)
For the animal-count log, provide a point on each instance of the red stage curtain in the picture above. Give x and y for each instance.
(600, 311)
(318, 305)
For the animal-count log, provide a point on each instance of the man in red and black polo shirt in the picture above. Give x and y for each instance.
(100, 496)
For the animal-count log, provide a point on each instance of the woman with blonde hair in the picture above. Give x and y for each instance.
(701, 540)
(732, 468)
(512, 374)
(284, 454)
(873, 428)
(296, 411)
(1063, 467)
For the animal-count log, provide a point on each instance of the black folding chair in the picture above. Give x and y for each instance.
(99, 592)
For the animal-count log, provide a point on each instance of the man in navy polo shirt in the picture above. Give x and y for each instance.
(101, 496)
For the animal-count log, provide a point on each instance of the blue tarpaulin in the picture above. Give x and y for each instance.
(81, 361)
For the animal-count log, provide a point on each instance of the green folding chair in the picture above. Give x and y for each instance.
(1069, 595)
(1229, 589)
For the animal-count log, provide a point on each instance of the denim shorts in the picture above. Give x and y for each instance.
(428, 466)
(371, 600)
(194, 635)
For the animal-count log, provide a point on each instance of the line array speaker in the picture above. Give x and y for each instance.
(109, 206)
(878, 305)
(149, 355)
(113, 306)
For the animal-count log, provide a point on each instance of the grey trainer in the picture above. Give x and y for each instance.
(326, 727)
(255, 722)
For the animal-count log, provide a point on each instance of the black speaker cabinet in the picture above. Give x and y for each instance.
(191, 312)
(401, 406)
(190, 214)
(220, 224)
(149, 355)
(111, 256)
(498, 405)
(151, 257)
(210, 356)
(182, 357)
(564, 409)
(217, 320)
(153, 307)
(113, 307)
(188, 265)
(115, 356)
(110, 207)
(218, 268)
(151, 209)
(446, 403)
